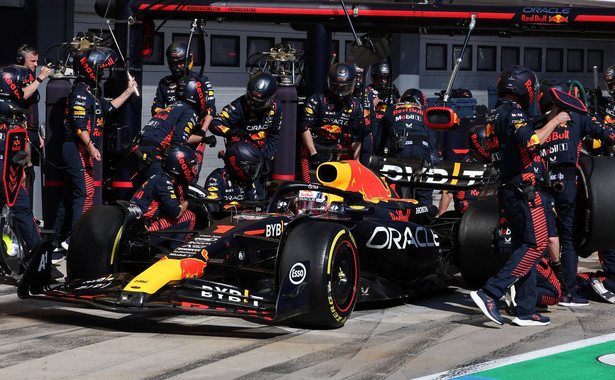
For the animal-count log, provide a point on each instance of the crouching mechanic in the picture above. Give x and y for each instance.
(514, 149)
(235, 182)
(255, 118)
(161, 197)
(174, 124)
(12, 116)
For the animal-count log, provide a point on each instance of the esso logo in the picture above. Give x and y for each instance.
(297, 274)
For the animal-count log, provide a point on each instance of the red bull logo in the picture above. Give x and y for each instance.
(332, 128)
(558, 19)
(192, 268)
(88, 70)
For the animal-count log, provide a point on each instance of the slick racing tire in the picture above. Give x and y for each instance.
(476, 252)
(13, 246)
(94, 243)
(594, 213)
(333, 273)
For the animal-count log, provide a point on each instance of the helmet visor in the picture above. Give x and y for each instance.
(256, 103)
(251, 169)
(341, 90)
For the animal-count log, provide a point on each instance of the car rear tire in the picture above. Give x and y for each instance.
(477, 255)
(333, 276)
(94, 243)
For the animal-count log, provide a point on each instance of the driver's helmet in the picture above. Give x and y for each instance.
(311, 202)
(176, 58)
(180, 161)
(90, 64)
(243, 160)
(545, 102)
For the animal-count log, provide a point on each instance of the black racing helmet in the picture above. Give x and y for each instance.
(243, 160)
(413, 95)
(261, 90)
(11, 82)
(341, 80)
(520, 81)
(381, 75)
(192, 90)
(609, 79)
(176, 58)
(359, 79)
(477, 143)
(545, 102)
(89, 64)
(181, 162)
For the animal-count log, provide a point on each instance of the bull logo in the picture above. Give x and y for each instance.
(558, 19)
(332, 128)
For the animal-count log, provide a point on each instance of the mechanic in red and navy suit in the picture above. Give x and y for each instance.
(514, 148)
(235, 181)
(167, 89)
(11, 93)
(330, 118)
(161, 197)
(561, 152)
(256, 118)
(405, 135)
(174, 125)
(84, 122)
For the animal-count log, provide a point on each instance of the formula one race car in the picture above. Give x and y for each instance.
(310, 256)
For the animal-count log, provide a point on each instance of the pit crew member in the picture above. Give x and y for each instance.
(84, 122)
(405, 135)
(332, 120)
(561, 152)
(166, 94)
(514, 149)
(11, 115)
(235, 181)
(256, 118)
(161, 197)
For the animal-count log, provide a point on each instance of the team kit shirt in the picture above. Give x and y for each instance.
(262, 127)
(513, 144)
(565, 142)
(166, 95)
(170, 126)
(328, 122)
(86, 113)
(158, 196)
(407, 121)
(219, 185)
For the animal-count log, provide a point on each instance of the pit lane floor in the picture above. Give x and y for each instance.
(441, 336)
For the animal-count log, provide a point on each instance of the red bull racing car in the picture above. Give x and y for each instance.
(310, 256)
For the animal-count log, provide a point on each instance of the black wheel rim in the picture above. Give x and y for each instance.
(344, 276)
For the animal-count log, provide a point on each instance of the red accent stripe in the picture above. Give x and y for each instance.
(222, 229)
(594, 18)
(255, 232)
(123, 184)
(288, 177)
(98, 183)
(330, 11)
(461, 151)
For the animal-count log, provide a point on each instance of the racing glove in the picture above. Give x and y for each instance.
(317, 159)
(209, 140)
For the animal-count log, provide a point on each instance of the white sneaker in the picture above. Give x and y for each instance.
(510, 300)
(601, 291)
(64, 245)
